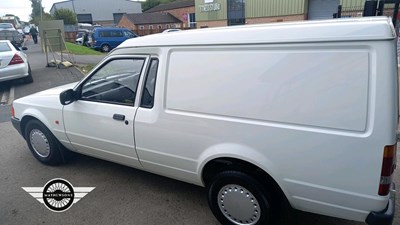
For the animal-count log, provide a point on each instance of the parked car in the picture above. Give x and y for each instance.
(267, 117)
(171, 30)
(80, 36)
(8, 32)
(26, 30)
(105, 39)
(7, 26)
(21, 33)
(14, 63)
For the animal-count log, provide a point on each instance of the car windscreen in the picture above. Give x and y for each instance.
(5, 26)
(4, 47)
(79, 35)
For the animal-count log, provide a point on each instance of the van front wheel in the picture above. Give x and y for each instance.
(105, 48)
(236, 198)
(42, 143)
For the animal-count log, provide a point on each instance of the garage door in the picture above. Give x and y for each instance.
(322, 9)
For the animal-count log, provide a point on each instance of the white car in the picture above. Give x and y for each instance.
(171, 30)
(14, 63)
(7, 26)
(267, 117)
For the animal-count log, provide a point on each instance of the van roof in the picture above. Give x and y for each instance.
(365, 28)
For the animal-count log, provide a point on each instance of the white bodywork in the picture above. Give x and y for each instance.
(312, 104)
(9, 72)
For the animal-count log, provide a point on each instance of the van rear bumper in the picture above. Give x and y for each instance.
(386, 216)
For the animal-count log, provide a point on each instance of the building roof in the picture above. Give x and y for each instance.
(151, 18)
(364, 28)
(172, 5)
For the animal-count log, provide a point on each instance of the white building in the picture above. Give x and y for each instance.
(104, 12)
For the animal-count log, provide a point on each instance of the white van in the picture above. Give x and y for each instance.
(299, 113)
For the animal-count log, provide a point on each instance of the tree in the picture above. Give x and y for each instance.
(148, 4)
(67, 15)
(37, 11)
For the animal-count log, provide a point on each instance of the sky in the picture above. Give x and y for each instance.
(22, 8)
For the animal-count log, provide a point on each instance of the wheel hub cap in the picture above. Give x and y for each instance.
(39, 143)
(238, 205)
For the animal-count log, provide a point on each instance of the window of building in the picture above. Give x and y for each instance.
(167, 26)
(141, 27)
(150, 27)
(236, 12)
(192, 20)
(84, 18)
(159, 26)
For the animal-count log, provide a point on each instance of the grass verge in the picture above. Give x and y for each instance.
(81, 50)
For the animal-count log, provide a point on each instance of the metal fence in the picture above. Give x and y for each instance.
(354, 11)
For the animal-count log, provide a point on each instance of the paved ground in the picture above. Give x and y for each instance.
(122, 195)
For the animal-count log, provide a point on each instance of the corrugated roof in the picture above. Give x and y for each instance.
(151, 18)
(172, 5)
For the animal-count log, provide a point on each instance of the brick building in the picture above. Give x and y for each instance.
(184, 10)
(149, 23)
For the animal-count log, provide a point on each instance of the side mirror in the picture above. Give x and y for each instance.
(67, 97)
(24, 48)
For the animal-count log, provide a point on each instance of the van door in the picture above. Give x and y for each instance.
(117, 37)
(100, 123)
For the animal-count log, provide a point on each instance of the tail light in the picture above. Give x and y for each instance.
(12, 111)
(16, 60)
(388, 167)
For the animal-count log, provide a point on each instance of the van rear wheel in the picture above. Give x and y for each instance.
(105, 48)
(236, 198)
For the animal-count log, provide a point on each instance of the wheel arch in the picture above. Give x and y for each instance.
(223, 163)
(28, 117)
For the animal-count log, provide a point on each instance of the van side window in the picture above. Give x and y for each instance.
(105, 33)
(129, 34)
(116, 82)
(116, 33)
(150, 85)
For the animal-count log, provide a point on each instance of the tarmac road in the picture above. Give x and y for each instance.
(122, 195)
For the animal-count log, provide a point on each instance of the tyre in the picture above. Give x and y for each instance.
(105, 48)
(236, 198)
(29, 79)
(42, 143)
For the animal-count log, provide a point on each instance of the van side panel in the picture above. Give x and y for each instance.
(322, 88)
(315, 116)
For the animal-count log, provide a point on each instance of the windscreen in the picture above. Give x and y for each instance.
(4, 47)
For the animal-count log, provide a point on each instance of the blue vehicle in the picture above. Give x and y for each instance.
(107, 38)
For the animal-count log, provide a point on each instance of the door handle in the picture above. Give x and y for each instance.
(119, 117)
